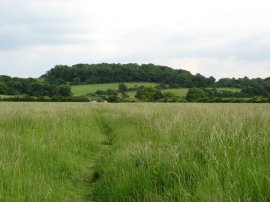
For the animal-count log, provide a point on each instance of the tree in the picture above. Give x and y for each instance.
(211, 81)
(107, 73)
(169, 97)
(122, 88)
(76, 80)
(112, 95)
(3, 88)
(149, 94)
(194, 94)
(64, 90)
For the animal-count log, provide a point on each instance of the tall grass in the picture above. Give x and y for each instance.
(134, 152)
(187, 152)
(46, 151)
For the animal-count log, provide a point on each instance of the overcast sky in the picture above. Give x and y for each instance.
(223, 38)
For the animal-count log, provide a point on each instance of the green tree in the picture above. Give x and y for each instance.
(122, 87)
(194, 94)
(149, 94)
(76, 80)
(64, 90)
(112, 95)
(169, 97)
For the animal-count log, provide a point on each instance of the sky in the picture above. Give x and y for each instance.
(220, 38)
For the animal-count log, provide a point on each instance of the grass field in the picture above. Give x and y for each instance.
(78, 90)
(134, 152)
(3, 96)
(181, 92)
(229, 89)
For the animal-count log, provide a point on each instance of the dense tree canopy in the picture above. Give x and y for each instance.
(195, 94)
(250, 87)
(106, 73)
(32, 87)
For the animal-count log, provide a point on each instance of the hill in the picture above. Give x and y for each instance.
(57, 81)
(174, 78)
(110, 73)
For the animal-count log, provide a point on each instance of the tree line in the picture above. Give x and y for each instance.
(249, 87)
(154, 94)
(57, 81)
(108, 73)
(165, 76)
(32, 87)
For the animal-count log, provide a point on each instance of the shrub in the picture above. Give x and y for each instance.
(195, 94)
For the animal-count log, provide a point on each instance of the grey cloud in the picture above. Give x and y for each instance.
(23, 26)
(25, 37)
(246, 48)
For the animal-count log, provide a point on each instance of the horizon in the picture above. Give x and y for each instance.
(224, 39)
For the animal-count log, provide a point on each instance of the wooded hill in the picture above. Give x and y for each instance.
(109, 73)
(57, 80)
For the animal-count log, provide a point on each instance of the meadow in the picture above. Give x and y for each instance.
(4, 96)
(79, 90)
(134, 152)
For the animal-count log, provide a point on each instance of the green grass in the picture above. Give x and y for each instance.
(181, 92)
(46, 151)
(4, 96)
(229, 89)
(78, 90)
(134, 152)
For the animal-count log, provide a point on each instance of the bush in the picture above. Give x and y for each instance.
(169, 97)
(122, 87)
(149, 94)
(195, 94)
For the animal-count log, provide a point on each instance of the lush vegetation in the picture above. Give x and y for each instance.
(134, 152)
(165, 76)
(46, 151)
(250, 87)
(79, 90)
(105, 78)
(109, 73)
(86, 89)
(159, 93)
(32, 87)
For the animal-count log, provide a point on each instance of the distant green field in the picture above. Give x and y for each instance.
(229, 89)
(78, 90)
(2, 96)
(181, 92)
